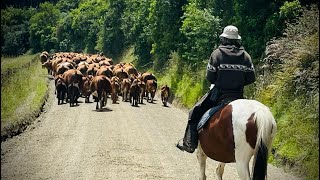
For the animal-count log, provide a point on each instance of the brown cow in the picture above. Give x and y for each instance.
(151, 89)
(63, 67)
(74, 93)
(142, 86)
(120, 73)
(134, 93)
(165, 93)
(61, 89)
(148, 76)
(115, 89)
(86, 87)
(72, 76)
(104, 71)
(131, 70)
(44, 56)
(82, 68)
(92, 69)
(100, 88)
(125, 87)
(104, 62)
(48, 65)
(54, 65)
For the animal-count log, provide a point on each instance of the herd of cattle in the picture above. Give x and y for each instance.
(80, 75)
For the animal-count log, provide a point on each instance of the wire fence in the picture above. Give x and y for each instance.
(9, 72)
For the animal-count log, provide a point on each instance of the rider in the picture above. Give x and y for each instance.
(229, 69)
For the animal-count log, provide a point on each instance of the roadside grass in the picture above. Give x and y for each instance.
(22, 95)
(297, 144)
(186, 84)
(126, 56)
(15, 62)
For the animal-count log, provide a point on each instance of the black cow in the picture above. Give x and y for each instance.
(61, 89)
(134, 93)
(74, 93)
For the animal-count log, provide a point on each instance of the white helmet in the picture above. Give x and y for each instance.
(230, 32)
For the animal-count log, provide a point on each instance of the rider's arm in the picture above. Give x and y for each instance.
(212, 67)
(250, 76)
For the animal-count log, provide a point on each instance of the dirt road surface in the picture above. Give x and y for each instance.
(122, 142)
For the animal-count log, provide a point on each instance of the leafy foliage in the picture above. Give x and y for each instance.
(15, 30)
(164, 22)
(43, 27)
(86, 21)
(111, 41)
(200, 29)
(136, 29)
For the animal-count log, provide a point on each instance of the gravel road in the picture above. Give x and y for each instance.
(121, 142)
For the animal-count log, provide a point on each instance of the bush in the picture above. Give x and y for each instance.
(291, 90)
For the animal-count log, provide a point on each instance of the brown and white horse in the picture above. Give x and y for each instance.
(235, 133)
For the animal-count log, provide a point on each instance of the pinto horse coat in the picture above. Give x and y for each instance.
(235, 133)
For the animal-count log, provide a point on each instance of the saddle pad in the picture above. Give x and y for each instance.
(207, 115)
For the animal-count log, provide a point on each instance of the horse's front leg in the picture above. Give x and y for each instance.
(202, 162)
(220, 170)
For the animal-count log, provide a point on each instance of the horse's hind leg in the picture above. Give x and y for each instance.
(220, 170)
(243, 155)
(202, 162)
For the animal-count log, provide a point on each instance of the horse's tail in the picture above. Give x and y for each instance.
(267, 129)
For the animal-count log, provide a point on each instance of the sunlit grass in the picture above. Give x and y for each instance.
(15, 62)
(126, 56)
(22, 93)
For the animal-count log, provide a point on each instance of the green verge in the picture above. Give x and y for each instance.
(187, 85)
(15, 62)
(22, 96)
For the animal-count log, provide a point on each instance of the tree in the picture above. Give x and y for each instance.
(200, 29)
(164, 22)
(136, 29)
(43, 28)
(111, 38)
(15, 30)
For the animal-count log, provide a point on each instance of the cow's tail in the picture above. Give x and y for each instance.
(267, 129)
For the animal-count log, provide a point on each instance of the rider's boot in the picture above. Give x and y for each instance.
(190, 140)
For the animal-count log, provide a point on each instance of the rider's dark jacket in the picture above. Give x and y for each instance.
(230, 68)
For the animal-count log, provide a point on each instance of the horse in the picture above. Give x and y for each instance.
(241, 129)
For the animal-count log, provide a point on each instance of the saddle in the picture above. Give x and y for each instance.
(209, 113)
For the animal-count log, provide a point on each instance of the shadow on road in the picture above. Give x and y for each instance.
(104, 109)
